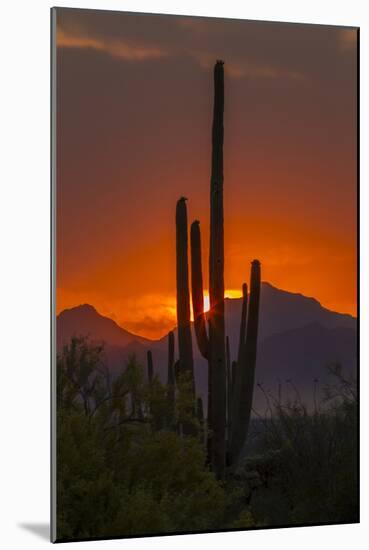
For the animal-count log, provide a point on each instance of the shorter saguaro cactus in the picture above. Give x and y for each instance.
(198, 291)
(171, 380)
(229, 387)
(242, 337)
(243, 386)
(150, 367)
(183, 292)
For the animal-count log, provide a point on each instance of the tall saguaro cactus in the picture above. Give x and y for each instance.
(183, 293)
(216, 280)
(230, 384)
(200, 318)
(243, 386)
(212, 345)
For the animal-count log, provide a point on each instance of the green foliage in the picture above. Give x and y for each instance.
(308, 462)
(86, 493)
(171, 469)
(185, 405)
(244, 521)
(121, 469)
(124, 470)
(80, 376)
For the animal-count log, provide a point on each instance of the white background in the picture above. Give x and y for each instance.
(24, 268)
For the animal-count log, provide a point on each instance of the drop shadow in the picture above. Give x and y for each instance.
(42, 530)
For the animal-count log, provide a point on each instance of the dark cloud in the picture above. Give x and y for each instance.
(252, 49)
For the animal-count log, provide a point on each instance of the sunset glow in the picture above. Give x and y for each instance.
(232, 293)
(134, 135)
(206, 270)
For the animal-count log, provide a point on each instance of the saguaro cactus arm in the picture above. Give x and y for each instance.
(170, 374)
(241, 344)
(245, 371)
(242, 339)
(251, 340)
(197, 291)
(183, 292)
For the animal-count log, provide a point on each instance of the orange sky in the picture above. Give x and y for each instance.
(133, 135)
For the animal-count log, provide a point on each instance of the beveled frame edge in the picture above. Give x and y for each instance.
(53, 430)
(53, 351)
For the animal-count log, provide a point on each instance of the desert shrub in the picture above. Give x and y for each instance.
(121, 471)
(308, 462)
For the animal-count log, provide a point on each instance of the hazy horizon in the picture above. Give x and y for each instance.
(174, 326)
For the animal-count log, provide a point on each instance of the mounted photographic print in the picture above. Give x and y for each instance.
(204, 274)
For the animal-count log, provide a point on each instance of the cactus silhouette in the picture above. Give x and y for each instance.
(216, 281)
(229, 388)
(242, 337)
(200, 410)
(171, 380)
(150, 367)
(243, 386)
(235, 366)
(176, 371)
(230, 383)
(212, 344)
(183, 292)
(198, 291)
(200, 318)
(186, 365)
(200, 418)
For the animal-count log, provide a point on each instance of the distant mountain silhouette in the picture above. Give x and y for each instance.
(297, 357)
(281, 310)
(84, 320)
(298, 338)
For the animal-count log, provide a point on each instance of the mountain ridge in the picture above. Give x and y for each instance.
(298, 338)
(267, 288)
(96, 326)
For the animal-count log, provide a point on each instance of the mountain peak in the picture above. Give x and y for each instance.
(85, 320)
(84, 308)
(281, 310)
(268, 287)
